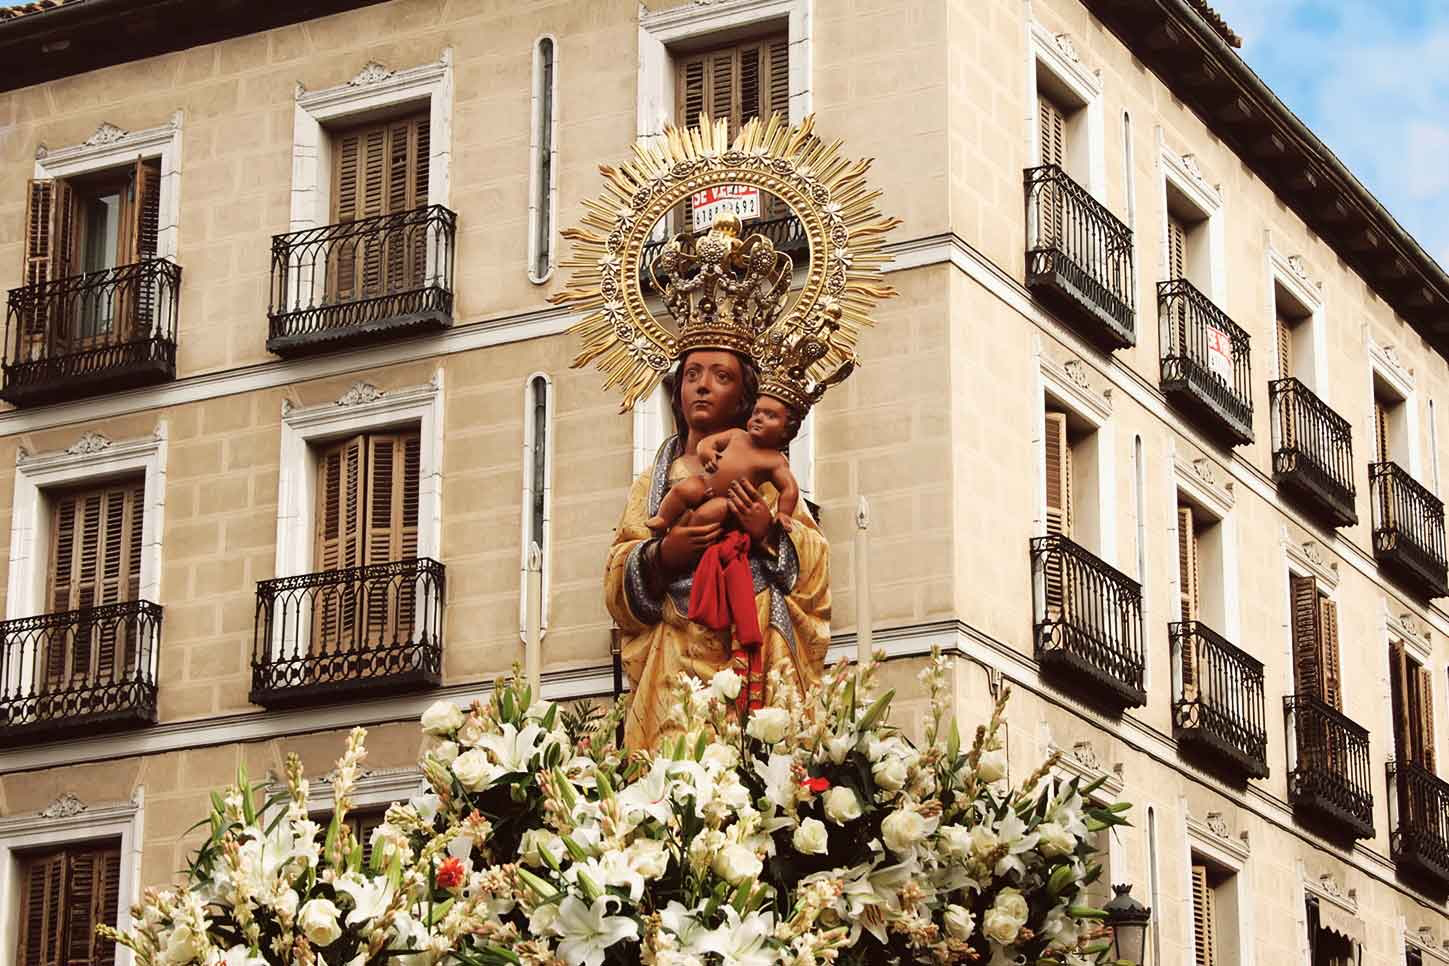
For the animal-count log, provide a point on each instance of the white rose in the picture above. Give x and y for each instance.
(1055, 840)
(649, 858)
(318, 922)
(983, 841)
(810, 838)
(446, 751)
(837, 748)
(184, 945)
(903, 830)
(725, 685)
(735, 864)
(1005, 918)
(959, 922)
(473, 769)
(889, 773)
(471, 731)
(720, 757)
(955, 841)
(992, 766)
(768, 724)
(841, 805)
(535, 842)
(286, 904)
(441, 718)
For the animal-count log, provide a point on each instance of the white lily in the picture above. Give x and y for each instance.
(512, 749)
(588, 930)
(742, 941)
(370, 896)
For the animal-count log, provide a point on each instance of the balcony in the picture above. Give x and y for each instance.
(1312, 452)
(1419, 820)
(79, 673)
(1205, 364)
(1079, 258)
(1088, 621)
(786, 234)
(1408, 529)
(343, 634)
(362, 281)
(1218, 703)
(1328, 766)
(88, 334)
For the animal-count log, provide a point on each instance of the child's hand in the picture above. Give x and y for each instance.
(786, 522)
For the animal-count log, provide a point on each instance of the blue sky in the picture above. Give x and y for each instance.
(1371, 78)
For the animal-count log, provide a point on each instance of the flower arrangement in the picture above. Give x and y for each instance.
(810, 832)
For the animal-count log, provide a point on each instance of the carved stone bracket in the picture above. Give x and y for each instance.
(64, 806)
(89, 443)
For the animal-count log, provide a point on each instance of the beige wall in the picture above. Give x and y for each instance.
(939, 428)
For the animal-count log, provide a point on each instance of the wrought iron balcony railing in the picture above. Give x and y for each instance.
(1088, 619)
(1218, 702)
(1419, 819)
(1328, 765)
(786, 234)
(1079, 257)
(362, 281)
(92, 333)
(342, 633)
(1408, 529)
(1205, 361)
(1312, 451)
(80, 672)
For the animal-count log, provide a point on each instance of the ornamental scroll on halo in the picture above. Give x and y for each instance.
(721, 290)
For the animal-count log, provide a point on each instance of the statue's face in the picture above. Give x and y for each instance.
(710, 387)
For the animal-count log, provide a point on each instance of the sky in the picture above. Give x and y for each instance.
(1371, 78)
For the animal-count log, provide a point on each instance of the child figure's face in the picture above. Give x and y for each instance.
(768, 422)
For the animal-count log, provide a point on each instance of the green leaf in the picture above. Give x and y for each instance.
(953, 741)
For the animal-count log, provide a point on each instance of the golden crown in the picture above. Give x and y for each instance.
(721, 290)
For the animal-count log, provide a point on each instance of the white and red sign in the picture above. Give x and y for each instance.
(1220, 354)
(737, 199)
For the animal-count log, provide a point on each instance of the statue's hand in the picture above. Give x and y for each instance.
(681, 548)
(752, 512)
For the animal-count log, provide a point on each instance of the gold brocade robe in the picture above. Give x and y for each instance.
(660, 642)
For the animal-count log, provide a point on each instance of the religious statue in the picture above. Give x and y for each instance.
(716, 562)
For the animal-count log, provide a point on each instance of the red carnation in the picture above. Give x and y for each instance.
(816, 785)
(450, 874)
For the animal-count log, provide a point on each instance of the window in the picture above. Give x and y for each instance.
(537, 492)
(1295, 341)
(1390, 429)
(1314, 622)
(738, 82)
(95, 560)
(1413, 956)
(1204, 918)
(1062, 120)
(541, 201)
(1328, 946)
(93, 223)
(65, 894)
(1411, 698)
(1215, 913)
(1072, 478)
(1188, 591)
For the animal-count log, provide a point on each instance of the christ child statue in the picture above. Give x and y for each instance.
(755, 453)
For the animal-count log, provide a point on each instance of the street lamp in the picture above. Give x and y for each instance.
(1128, 919)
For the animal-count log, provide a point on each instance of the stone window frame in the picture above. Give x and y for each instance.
(539, 194)
(374, 88)
(528, 482)
(1411, 631)
(69, 820)
(93, 458)
(1387, 368)
(110, 147)
(1284, 272)
(1056, 55)
(1298, 561)
(362, 408)
(1056, 381)
(1181, 174)
(1196, 480)
(1200, 839)
(658, 32)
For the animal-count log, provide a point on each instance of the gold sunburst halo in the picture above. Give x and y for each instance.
(827, 192)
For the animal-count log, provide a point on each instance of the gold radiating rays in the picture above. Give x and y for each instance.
(826, 191)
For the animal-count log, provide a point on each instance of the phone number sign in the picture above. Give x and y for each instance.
(737, 199)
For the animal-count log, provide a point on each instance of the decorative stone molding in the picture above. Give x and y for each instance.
(107, 133)
(1214, 837)
(1312, 559)
(1064, 44)
(1075, 378)
(1082, 761)
(1298, 267)
(1077, 373)
(371, 73)
(89, 443)
(1330, 886)
(1218, 825)
(64, 806)
(1085, 754)
(359, 393)
(1392, 368)
(1206, 482)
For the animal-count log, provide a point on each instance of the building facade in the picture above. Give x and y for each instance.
(1150, 435)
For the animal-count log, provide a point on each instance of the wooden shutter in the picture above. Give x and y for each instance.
(737, 83)
(1176, 248)
(1204, 924)
(391, 530)
(1304, 614)
(50, 247)
(339, 543)
(140, 229)
(1399, 702)
(1187, 595)
(1053, 128)
(1285, 349)
(1425, 721)
(379, 169)
(1381, 430)
(95, 560)
(1331, 675)
(65, 895)
(1058, 476)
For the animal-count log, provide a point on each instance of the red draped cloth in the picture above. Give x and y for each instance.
(723, 594)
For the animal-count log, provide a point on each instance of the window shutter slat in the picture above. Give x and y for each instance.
(1203, 916)
(777, 86)
(1058, 476)
(753, 93)
(79, 907)
(1381, 430)
(1426, 719)
(1332, 678)
(1303, 605)
(107, 904)
(1053, 130)
(1187, 563)
(339, 540)
(724, 95)
(1399, 701)
(1285, 347)
(690, 96)
(40, 914)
